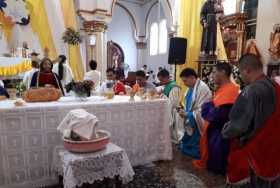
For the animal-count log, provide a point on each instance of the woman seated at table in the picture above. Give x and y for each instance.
(45, 77)
(3, 93)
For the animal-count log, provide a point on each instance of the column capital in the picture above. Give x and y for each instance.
(94, 26)
(141, 45)
(141, 42)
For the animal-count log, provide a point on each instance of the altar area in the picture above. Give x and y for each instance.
(28, 134)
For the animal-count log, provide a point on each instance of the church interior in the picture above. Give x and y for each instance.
(139, 93)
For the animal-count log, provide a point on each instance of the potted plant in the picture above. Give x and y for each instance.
(72, 37)
(82, 89)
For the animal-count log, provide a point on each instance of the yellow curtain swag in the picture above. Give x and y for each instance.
(74, 56)
(13, 70)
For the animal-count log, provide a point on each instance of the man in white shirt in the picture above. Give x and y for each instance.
(28, 75)
(2, 83)
(93, 75)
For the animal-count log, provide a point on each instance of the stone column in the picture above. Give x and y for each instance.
(141, 46)
(96, 44)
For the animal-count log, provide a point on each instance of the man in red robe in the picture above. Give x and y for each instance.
(254, 122)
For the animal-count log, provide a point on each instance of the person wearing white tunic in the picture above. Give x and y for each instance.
(197, 94)
(171, 91)
(28, 75)
(63, 71)
(2, 83)
(93, 74)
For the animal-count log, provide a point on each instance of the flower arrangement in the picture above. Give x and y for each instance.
(70, 36)
(81, 89)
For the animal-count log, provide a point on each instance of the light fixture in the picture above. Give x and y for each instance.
(92, 40)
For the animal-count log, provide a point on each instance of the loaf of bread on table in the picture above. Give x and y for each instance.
(43, 94)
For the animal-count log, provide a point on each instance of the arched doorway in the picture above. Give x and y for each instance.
(115, 56)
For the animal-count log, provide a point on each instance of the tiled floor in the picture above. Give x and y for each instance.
(178, 173)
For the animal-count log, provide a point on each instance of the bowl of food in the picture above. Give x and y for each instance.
(88, 146)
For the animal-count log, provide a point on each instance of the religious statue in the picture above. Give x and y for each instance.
(25, 49)
(274, 49)
(115, 59)
(208, 20)
(251, 48)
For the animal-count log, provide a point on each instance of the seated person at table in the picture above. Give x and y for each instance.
(142, 83)
(28, 75)
(93, 74)
(112, 82)
(3, 93)
(45, 76)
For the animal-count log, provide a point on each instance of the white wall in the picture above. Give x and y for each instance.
(121, 31)
(161, 60)
(268, 15)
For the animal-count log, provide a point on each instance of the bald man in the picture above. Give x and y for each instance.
(254, 122)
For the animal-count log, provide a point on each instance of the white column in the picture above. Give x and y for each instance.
(100, 53)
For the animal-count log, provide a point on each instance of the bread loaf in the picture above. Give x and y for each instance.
(42, 95)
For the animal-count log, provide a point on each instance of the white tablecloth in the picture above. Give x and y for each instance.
(78, 169)
(28, 134)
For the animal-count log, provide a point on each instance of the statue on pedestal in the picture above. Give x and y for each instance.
(208, 20)
(251, 48)
(274, 49)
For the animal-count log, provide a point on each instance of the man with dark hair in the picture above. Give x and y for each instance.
(145, 69)
(34, 57)
(142, 83)
(254, 122)
(93, 74)
(216, 114)
(93, 65)
(112, 83)
(171, 91)
(197, 94)
(28, 75)
(63, 70)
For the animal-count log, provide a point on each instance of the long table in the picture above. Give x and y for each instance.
(28, 134)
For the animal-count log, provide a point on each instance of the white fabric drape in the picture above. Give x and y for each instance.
(55, 17)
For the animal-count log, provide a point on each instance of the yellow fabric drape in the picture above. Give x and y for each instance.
(191, 29)
(75, 59)
(13, 70)
(222, 55)
(7, 26)
(40, 25)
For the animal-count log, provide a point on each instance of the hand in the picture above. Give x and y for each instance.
(205, 24)
(182, 113)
